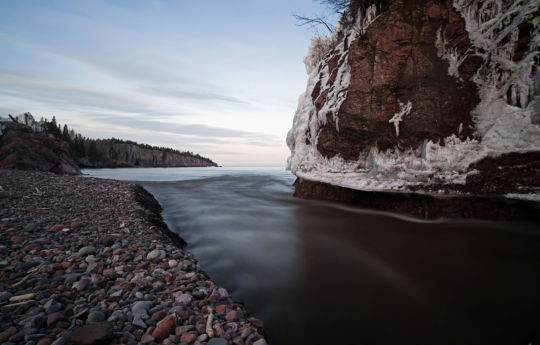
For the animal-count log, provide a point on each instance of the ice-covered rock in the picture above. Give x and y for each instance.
(423, 96)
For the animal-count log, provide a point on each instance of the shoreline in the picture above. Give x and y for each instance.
(87, 260)
(424, 205)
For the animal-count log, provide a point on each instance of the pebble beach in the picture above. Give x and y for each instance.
(90, 261)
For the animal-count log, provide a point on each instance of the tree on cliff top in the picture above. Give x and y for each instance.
(347, 9)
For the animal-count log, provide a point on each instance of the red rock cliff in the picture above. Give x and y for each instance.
(424, 96)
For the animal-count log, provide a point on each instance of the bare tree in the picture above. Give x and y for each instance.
(346, 8)
(314, 22)
(335, 6)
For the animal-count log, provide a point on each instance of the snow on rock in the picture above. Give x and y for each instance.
(504, 120)
(404, 109)
(529, 196)
(28, 120)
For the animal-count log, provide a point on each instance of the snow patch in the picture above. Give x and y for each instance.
(320, 47)
(449, 54)
(28, 120)
(404, 109)
(493, 28)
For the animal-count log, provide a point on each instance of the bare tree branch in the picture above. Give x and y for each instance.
(314, 22)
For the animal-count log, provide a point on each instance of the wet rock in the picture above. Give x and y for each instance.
(84, 251)
(260, 342)
(188, 338)
(147, 339)
(218, 341)
(202, 337)
(56, 320)
(75, 225)
(200, 292)
(83, 284)
(177, 309)
(44, 341)
(141, 306)
(57, 227)
(156, 255)
(17, 239)
(52, 307)
(91, 334)
(183, 298)
(109, 273)
(165, 327)
(5, 295)
(30, 227)
(5, 335)
(158, 315)
(256, 322)
(95, 316)
(232, 316)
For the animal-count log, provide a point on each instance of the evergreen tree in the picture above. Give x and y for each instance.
(65, 134)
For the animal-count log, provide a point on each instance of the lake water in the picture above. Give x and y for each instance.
(325, 273)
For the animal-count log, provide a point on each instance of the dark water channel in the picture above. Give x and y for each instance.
(322, 273)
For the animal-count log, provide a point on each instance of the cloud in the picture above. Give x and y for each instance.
(177, 93)
(195, 132)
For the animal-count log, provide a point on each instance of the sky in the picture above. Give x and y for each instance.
(218, 78)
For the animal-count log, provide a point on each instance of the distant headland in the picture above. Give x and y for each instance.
(46, 146)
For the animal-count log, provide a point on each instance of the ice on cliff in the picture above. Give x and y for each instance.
(501, 127)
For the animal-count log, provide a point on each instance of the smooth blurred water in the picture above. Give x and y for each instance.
(324, 273)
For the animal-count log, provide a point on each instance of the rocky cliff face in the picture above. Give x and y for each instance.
(430, 96)
(22, 148)
(123, 154)
(30, 145)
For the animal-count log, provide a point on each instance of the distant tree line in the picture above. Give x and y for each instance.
(101, 150)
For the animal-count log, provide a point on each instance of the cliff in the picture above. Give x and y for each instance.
(423, 96)
(114, 153)
(27, 144)
(22, 148)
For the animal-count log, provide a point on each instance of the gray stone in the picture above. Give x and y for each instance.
(138, 321)
(141, 307)
(86, 250)
(149, 297)
(202, 337)
(183, 298)
(5, 295)
(113, 318)
(156, 255)
(199, 292)
(52, 307)
(218, 341)
(95, 316)
(117, 293)
(30, 227)
(258, 342)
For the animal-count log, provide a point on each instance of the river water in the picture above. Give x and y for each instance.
(325, 273)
